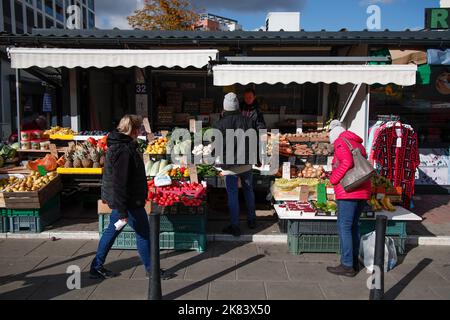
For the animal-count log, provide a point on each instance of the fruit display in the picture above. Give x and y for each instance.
(322, 148)
(33, 182)
(157, 146)
(59, 131)
(153, 169)
(178, 173)
(304, 207)
(8, 182)
(310, 172)
(49, 162)
(284, 146)
(286, 184)
(302, 150)
(176, 192)
(87, 155)
(310, 136)
(383, 204)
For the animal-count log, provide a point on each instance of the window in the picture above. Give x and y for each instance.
(40, 25)
(39, 4)
(30, 19)
(85, 18)
(30, 2)
(59, 10)
(19, 17)
(7, 15)
(59, 26)
(91, 20)
(48, 23)
(49, 7)
(91, 5)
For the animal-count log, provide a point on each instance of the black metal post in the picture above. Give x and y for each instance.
(154, 286)
(377, 292)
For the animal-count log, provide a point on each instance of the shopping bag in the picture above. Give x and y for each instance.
(367, 252)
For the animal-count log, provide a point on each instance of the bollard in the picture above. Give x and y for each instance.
(154, 286)
(380, 229)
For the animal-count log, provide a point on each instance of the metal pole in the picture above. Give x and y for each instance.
(18, 105)
(154, 286)
(377, 292)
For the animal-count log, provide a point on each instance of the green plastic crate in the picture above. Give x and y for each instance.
(4, 224)
(328, 244)
(394, 228)
(52, 203)
(34, 220)
(168, 240)
(168, 223)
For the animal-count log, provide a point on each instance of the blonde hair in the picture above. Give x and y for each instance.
(129, 123)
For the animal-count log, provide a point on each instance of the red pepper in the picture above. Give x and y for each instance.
(92, 141)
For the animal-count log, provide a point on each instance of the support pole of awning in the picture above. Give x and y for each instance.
(18, 103)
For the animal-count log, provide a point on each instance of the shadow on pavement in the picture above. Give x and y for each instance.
(395, 291)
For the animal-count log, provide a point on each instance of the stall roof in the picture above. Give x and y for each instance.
(225, 75)
(22, 58)
(118, 38)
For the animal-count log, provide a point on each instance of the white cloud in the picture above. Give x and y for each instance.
(112, 21)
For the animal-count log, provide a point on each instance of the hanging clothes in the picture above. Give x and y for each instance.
(396, 152)
(373, 133)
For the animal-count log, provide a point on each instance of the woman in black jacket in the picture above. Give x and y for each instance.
(124, 189)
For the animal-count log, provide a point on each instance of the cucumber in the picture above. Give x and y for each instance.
(154, 169)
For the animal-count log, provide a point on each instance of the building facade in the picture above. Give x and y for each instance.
(22, 16)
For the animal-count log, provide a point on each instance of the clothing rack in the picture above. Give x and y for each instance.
(387, 118)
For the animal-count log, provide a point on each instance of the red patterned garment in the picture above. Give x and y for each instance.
(396, 152)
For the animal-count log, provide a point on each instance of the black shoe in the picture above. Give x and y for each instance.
(251, 224)
(235, 231)
(342, 270)
(101, 273)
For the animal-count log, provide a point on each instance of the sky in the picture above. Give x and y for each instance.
(331, 15)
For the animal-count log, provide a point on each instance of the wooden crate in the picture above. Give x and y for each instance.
(33, 199)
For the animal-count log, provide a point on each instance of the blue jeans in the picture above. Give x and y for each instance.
(231, 183)
(138, 220)
(349, 212)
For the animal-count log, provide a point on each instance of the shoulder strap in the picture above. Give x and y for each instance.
(349, 145)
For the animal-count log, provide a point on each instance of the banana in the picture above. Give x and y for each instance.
(387, 205)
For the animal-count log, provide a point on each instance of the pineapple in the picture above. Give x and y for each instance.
(68, 157)
(95, 157)
(77, 159)
(85, 160)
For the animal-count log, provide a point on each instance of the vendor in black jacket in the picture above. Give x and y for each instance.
(232, 172)
(124, 189)
(250, 109)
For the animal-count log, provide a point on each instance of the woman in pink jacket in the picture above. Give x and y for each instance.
(350, 204)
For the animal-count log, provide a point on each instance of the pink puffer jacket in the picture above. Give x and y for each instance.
(342, 162)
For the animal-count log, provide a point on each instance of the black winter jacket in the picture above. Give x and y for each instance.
(255, 115)
(235, 120)
(124, 184)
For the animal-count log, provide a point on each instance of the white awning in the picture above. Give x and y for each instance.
(226, 75)
(22, 58)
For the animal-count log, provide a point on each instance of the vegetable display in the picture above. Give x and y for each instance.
(59, 131)
(157, 146)
(33, 182)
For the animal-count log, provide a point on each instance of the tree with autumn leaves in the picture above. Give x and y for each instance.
(165, 15)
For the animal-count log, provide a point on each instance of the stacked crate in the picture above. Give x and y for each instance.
(181, 228)
(165, 115)
(206, 106)
(175, 101)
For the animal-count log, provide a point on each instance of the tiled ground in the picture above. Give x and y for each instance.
(35, 269)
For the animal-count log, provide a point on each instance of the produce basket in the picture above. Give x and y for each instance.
(394, 228)
(34, 220)
(167, 240)
(4, 223)
(32, 199)
(299, 227)
(298, 139)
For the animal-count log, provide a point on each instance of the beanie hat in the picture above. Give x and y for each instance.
(230, 102)
(335, 130)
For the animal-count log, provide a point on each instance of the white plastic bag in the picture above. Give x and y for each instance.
(367, 252)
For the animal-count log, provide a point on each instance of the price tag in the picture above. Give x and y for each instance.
(146, 124)
(42, 171)
(193, 125)
(286, 170)
(321, 193)
(304, 193)
(299, 126)
(193, 173)
(53, 150)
